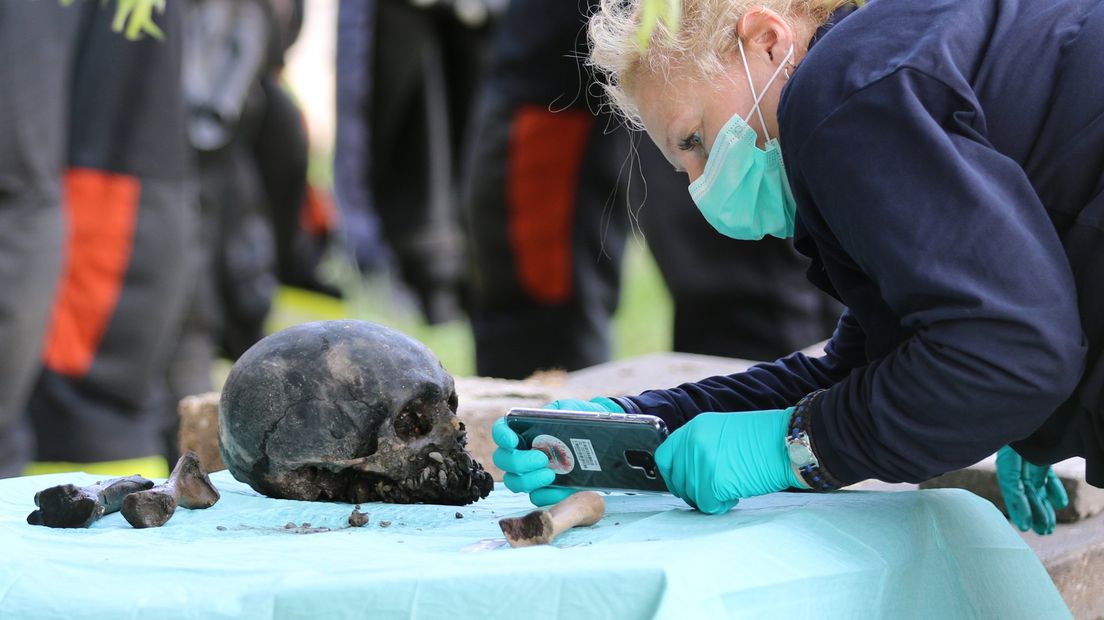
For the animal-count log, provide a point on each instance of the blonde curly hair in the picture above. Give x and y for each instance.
(699, 41)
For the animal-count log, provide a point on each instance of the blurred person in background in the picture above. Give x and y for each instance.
(406, 75)
(262, 225)
(546, 186)
(97, 209)
(304, 219)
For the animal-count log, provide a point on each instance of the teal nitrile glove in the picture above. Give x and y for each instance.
(598, 404)
(716, 459)
(526, 471)
(1031, 492)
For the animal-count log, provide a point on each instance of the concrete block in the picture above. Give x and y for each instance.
(1074, 557)
(484, 400)
(199, 429)
(981, 479)
(648, 372)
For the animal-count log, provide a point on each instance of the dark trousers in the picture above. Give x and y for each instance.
(405, 82)
(95, 217)
(33, 115)
(548, 200)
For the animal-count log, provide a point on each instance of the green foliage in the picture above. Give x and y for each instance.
(134, 18)
(645, 314)
(669, 12)
(652, 13)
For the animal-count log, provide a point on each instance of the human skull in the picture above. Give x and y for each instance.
(348, 411)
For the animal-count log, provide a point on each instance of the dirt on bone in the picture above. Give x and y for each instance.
(531, 526)
(347, 411)
(68, 505)
(358, 518)
(188, 487)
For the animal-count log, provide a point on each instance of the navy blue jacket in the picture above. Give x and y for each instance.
(947, 159)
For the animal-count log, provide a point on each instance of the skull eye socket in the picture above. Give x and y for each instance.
(453, 402)
(413, 421)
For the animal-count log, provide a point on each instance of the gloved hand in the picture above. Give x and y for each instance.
(1031, 492)
(526, 471)
(598, 404)
(716, 459)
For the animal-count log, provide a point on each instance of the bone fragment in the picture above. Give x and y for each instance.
(540, 527)
(187, 486)
(68, 505)
(358, 518)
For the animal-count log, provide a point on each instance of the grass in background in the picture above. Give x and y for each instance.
(644, 316)
(642, 323)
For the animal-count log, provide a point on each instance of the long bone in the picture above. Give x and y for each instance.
(187, 486)
(68, 505)
(541, 526)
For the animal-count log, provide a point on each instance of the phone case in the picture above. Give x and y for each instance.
(591, 450)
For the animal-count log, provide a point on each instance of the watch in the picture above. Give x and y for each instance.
(800, 451)
(799, 447)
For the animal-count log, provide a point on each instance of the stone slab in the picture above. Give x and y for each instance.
(199, 429)
(647, 372)
(484, 400)
(981, 479)
(1074, 557)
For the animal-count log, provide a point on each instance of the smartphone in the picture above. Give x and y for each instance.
(592, 450)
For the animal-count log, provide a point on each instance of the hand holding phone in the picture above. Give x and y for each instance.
(593, 450)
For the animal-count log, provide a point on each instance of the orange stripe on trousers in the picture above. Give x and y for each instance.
(545, 162)
(101, 210)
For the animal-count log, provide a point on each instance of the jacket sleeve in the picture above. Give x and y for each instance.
(765, 386)
(962, 251)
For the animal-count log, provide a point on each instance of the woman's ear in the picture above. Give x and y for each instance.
(765, 32)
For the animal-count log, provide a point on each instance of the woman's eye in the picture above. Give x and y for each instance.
(691, 142)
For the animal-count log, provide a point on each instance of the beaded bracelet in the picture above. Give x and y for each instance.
(815, 475)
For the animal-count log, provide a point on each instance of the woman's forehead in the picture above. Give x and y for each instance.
(666, 100)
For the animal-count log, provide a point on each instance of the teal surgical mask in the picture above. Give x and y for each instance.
(743, 192)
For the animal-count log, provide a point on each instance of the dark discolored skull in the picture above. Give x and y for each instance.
(348, 411)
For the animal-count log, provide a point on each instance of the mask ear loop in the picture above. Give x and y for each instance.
(751, 85)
